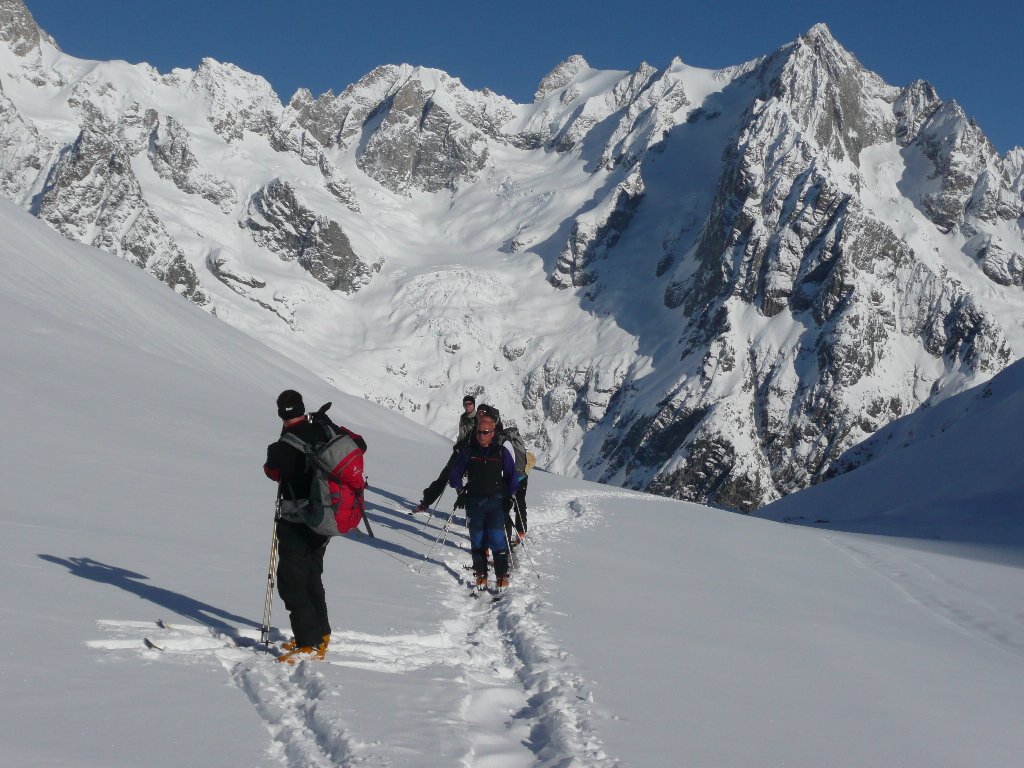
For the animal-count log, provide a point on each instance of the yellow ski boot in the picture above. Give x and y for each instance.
(293, 653)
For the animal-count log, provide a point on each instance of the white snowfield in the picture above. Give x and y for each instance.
(642, 631)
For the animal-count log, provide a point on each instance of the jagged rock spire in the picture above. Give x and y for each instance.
(561, 76)
(19, 29)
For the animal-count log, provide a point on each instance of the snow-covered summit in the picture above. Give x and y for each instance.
(19, 30)
(561, 76)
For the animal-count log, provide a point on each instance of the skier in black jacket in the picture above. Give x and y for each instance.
(467, 423)
(300, 564)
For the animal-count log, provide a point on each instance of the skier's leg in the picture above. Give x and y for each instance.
(475, 517)
(316, 588)
(293, 575)
(506, 517)
(521, 506)
(495, 534)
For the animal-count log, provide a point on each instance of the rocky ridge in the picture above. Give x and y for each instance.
(751, 419)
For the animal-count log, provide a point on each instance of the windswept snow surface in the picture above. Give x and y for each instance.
(641, 632)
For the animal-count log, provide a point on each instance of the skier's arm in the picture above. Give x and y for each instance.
(458, 470)
(270, 467)
(508, 465)
(284, 463)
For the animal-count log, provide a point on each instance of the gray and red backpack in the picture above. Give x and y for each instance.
(335, 504)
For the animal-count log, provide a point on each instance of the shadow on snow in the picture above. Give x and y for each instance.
(197, 611)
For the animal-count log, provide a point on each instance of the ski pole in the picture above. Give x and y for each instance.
(366, 518)
(429, 522)
(508, 545)
(268, 600)
(522, 544)
(366, 521)
(444, 533)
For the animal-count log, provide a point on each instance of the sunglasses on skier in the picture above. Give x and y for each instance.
(485, 431)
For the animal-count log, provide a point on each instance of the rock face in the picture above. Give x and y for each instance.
(279, 222)
(24, 152)
(172, 158)
(92, 195)
(18, 30)
(711, 285)
(418, 144)
(595, 233)
(789, 244)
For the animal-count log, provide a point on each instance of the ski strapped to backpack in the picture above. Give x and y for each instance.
(335, 504)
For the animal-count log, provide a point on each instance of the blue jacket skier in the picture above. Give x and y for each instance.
(484, 474)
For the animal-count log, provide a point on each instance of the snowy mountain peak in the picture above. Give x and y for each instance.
(820, 34)
(561, 76)
(824, 87)
(824, 59)
(303, 98)
(916, 103)
(19, 30)
(237, 100)
(819, 41)
(379, 79)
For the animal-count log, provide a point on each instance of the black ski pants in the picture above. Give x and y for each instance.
(300, 566)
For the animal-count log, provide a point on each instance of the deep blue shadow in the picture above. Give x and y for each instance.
(183, 605)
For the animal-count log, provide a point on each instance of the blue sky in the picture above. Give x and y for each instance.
(970, 51)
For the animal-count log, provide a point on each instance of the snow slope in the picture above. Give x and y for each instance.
(910, 477)
(645, 632)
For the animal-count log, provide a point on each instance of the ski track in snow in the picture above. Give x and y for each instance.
(292, 701)
(522, 706)
(554, 704)
(947, 600)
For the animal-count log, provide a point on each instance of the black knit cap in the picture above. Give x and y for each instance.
(469, 399)
(489, 411)
(290, 405)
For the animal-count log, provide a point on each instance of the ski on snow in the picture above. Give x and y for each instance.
(149, 643)
(495, 595)
(156, 645)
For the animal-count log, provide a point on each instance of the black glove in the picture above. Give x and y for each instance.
(460, 500)
(506, 503)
